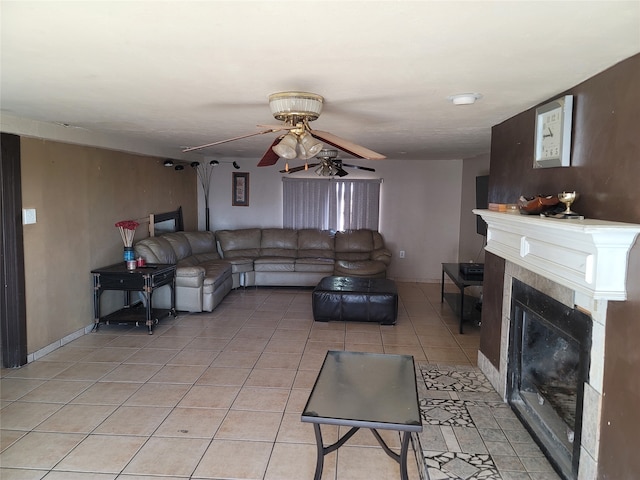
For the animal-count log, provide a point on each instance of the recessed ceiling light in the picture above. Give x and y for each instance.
(464, 98)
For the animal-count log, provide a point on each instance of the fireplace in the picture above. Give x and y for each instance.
(580, 265)
(549, 349)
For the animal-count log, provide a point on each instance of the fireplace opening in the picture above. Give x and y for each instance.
(549, 355)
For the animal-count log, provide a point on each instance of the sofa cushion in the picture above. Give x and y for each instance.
(354, 241)
(201, 242)
(179, 243)
(156, 250)
(240, 264)
(190, 276)
(378, 241)
(360, 268)
(274, 264)
(216, 272)
(240, 243)
(324, 265)
(315, 243)
(279, 242)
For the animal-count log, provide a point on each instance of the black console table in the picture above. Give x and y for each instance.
(457, 300)
(143, 279)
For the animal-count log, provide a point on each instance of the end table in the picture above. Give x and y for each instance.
(143, 279)
(462, 281)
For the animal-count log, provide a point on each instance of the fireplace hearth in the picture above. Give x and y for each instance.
(549, 350)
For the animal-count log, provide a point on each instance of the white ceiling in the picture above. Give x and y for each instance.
(154, 76)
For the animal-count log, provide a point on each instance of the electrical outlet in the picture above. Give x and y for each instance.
(401, 253)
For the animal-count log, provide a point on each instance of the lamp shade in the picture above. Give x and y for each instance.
(286, 148)
(295, 104)
(308, 146)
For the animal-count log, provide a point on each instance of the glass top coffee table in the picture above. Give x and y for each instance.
(365, 390)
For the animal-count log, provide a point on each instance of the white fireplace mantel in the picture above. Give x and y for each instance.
(588, 255)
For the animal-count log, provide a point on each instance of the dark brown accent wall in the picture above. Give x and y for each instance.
(492, 295)
(605, 171)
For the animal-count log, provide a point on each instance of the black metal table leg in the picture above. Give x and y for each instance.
(402, 458)
(320, 459)
(404, 474)
(461, 308)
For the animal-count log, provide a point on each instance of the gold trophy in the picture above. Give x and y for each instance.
(568, 198)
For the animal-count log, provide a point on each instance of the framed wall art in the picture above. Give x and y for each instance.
(240, 189)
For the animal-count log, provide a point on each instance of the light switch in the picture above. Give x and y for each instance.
(28, 216)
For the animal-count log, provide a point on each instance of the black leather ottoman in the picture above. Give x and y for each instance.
(356, 299)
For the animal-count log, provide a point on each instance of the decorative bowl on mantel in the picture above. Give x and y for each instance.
(538, 204)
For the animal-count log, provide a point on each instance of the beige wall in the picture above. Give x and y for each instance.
(79, 193)
(419, 211)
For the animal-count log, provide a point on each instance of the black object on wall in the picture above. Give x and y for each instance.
(13, 316)
(482, 202)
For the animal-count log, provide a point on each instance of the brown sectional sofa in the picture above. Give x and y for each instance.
(283, 257)
(203, 279)
(209, 266)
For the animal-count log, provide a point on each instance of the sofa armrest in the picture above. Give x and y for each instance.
(190, 277)
(382, 254)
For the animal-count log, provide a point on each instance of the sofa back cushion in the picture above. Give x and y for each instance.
(314, 243)
(202, 242)
(279, 242)
(179, 243)
(354, 245)
(156, 250)
(239, 243)
(378, 241)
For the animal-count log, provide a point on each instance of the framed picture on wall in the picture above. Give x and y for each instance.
(240, 189)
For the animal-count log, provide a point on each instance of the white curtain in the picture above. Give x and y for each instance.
(331, 204)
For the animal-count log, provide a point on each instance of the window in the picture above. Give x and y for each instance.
(330, 204)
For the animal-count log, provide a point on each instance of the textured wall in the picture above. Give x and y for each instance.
(79, 193)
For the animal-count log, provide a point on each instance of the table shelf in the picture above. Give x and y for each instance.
(135, 313)
(471, 313)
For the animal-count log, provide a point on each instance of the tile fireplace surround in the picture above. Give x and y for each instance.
(580, 263)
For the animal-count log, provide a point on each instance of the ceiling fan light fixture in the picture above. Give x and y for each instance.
(464, 98)
(308, 146)
(168, 163)
(235, 165)
(213, 163)
(286, 148)
(285, 105)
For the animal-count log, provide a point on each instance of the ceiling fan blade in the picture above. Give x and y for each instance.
(346, 145)
(368, 169)
(270, 157)
(300, 168)
(191, 149)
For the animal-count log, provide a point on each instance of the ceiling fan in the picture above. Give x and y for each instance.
(296, 110)
(328, 166)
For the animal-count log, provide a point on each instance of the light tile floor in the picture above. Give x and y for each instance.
(219, 395)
